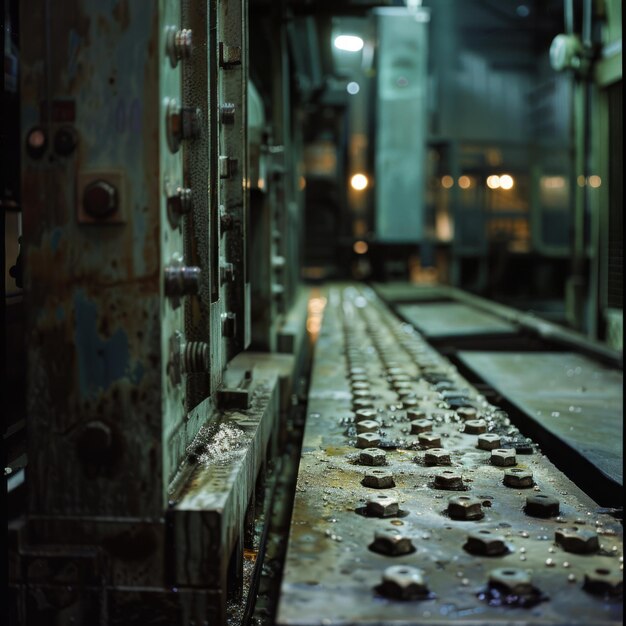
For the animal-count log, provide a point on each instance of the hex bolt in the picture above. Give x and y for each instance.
(227, 113)
(382, 506)
(429, 440)
(503, 457)
(378, 479)
(408, 403)
(416, 414)
(485, 543)
(464, 508)
(448, 479)
(65, 141)
(488, 441)
(365, 414)
(100, 199)
(361, 393)
(467, 413)
(180, 203)
(361, 403)
(511, 580)
(542, 505)
(227, 272)
(195, 357)
(437, 456)
(360, 386)
(182, 123)
(367, 426)
(367, 440)
(178, 44)
(181, 280)
(475, 427)
(229, 324)
(603, 581)
(373, 457)
(518, 478)
(420, 426)
(391, 543)
(577, 541)
(403, 385)
(402, 582)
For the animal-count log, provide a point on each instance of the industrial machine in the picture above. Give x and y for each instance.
(256, 373)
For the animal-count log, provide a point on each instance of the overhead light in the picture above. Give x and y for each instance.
(506, 181)
(349, 43)
(447, 181)
(493, 181)
(359, 182)
(353, 88)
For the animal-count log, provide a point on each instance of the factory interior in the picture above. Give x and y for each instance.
(313, 312)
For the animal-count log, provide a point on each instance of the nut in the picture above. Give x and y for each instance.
(429, 440)
(488, 441)
(364, 414)
(464, 507)
(467, 413)
(511, 580)
(485, 543)
(382, 506)
(603, 581)
(391, 543)
(437, 456)
(503, 457)
(361, 403)
(378, 479)
(360, 385)
(415, 414)
(475, 427)
(448, 479)
(541, 505)
(576, 540)
(367, 426)
(403, 583)
(518, 478)
(367, 440)
(420, 426)
(373, 456)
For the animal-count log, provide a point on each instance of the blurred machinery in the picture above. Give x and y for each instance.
(207, 418)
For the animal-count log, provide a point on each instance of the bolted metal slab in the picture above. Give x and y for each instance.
(332, 577)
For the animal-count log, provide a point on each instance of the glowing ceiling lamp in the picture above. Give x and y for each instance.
(348, 43)
(359, 182)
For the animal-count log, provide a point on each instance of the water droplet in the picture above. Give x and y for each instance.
(555, 414)
(566, 564)
(550, 563)
(571, 578)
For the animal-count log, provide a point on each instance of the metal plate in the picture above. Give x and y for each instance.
(331, 576)
(449, 319)
(574, 398)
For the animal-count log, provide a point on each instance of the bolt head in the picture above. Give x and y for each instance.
(100, 199)
(467, 413)
(416, 414)
(485, 543)
(437, 456)
(542, 505)
(365, 414)
(408, 402)
(429, 440)
(382, 505)
(391, 543)
(373, 456)
(367, 426)
(577, 541)
(403, 582)
(464, 508)
(367, 440)
(420, 426)
(360, 386)
(361, 403)
(518, 478)
(603, 581)
(475, 427)
(378, 479)
(503, 457)
(448, 479)
(511, 580)
(488, 441)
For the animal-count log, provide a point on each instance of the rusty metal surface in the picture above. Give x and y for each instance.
(579, 401)
(331, 575)
(451, 319)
